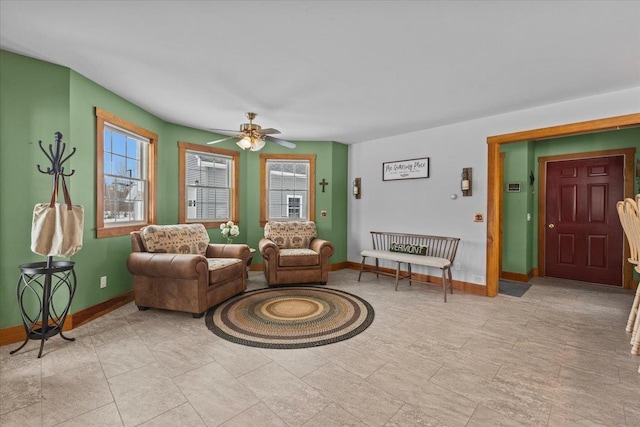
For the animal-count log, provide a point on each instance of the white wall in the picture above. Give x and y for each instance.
(423, 206)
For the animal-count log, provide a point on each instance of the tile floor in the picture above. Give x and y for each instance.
(558, 356)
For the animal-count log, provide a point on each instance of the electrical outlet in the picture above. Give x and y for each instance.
(456, 266)
(103, 282)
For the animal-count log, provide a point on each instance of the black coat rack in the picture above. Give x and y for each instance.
(42, 280)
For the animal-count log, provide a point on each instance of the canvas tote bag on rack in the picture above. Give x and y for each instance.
(56, 229)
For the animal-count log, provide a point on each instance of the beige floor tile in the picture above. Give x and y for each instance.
(144, 393)
(74, 392)
(67, 356)
(179, 355)
(20, 382)
(411, 416)
(334, 415)
(299, 362)
(105, 416)
(27, 416)
(632, 414)
(257, 414)
(236, 358)
(183, 415)
(593, 403)
(108, 330)
(560, 417)
(360, 363)
(446, 406)
(364, 400)
(289, 397)
(214, 393)
(485, 417)
(407, 358)
(157, 329)
(123, 356)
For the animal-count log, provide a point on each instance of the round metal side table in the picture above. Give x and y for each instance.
(45, 291)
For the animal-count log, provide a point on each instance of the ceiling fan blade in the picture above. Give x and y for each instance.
(220, 140)
(268, 131)
(224, 131)
(282, 142)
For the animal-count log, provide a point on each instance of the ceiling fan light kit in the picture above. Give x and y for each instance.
(252, 136)
(257, 145)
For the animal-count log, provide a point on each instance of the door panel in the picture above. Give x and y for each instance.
(584, 238)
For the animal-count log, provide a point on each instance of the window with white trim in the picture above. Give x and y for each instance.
(125, 175)
(294, 205)
(208, 184)
(288, 183)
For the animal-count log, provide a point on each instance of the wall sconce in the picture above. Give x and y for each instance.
(465, 183)
(357, 188)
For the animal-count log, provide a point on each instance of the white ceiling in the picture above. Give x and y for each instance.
(346, 71)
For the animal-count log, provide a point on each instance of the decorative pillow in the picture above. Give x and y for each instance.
(408, 249)
(291, 234)
(175, 239)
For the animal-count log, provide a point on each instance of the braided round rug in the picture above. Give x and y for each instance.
(290, 317)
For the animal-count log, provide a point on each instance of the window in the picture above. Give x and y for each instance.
(287, 183)
(294, 204)
(208, 184)
(126, 170)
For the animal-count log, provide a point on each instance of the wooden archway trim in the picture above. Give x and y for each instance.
(494, 180)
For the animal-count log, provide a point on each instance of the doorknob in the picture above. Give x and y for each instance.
(551, 225)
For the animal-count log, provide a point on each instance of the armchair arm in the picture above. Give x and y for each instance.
(270, 255)
(219, 250)
(323, 247)
(269, 250)
(179, 266)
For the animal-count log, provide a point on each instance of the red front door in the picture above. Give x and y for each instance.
(584, 238)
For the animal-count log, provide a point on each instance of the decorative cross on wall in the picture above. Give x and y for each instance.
(324, 183)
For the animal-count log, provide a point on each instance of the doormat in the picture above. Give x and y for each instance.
(514, 289)
(291, 317)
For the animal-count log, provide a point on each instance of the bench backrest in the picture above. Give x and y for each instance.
(437, 246)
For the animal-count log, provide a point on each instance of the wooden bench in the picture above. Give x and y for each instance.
(440, 253)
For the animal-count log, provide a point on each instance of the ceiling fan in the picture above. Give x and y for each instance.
(252, 136)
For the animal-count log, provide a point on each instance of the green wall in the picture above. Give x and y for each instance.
(516, 229)
(37, 99)
(34, 103)
(520, 241)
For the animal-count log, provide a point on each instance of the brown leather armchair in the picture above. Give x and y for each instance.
(174, 267)
(293, 254)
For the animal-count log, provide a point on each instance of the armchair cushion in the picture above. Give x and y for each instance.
(219, 263)
(222, 268)
(175, 239)
(297, 257)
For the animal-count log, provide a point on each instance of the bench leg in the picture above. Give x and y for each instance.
(397, 275)
(361, 268)
(377, 269)
(409, 269)
(444, 283)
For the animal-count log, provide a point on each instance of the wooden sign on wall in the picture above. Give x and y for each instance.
(405, 169)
